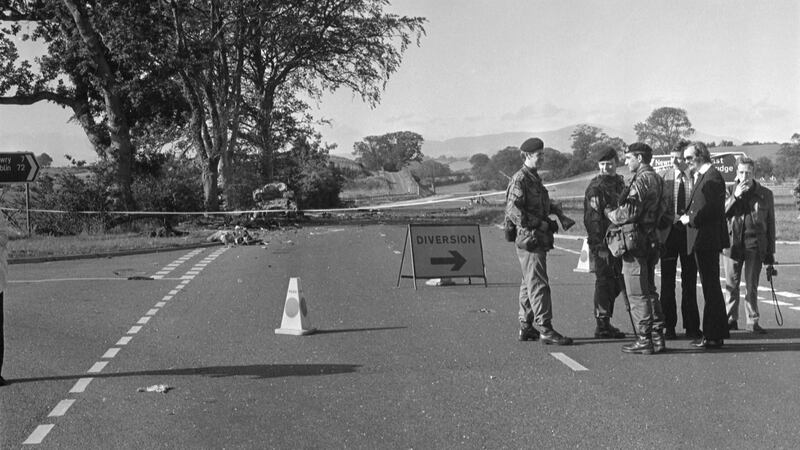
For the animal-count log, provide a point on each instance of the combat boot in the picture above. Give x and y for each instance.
(551, 336)
(642, 345)
(527, 332)
(659, 344)
(605, 330)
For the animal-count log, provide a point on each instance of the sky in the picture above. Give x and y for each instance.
(494, 66)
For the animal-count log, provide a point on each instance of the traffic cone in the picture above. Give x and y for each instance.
(583, 260)
(295, 320)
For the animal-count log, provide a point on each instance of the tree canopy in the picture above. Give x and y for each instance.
(664, 128)
(390, 152)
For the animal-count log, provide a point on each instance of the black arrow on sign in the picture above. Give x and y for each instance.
(457, 261)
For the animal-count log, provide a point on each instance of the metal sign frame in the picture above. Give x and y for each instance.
(414, 272)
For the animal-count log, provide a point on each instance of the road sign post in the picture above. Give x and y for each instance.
(19, 167)
(444, 251)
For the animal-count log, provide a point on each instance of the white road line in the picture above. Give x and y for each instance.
(39, 434)
(143, 320)
(796, 308)
(151, 312)
(80, 386)
(568, 250)
(571, 363)
(788, 294)
(173, 292)
(780, 303)
(61, 408)
(124, 340)
(167, 297)
(134, 329)
(110, 353)
(97, 367)
(161, 304)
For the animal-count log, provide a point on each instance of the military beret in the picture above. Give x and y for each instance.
(639, 147)
(606, 153)
(532, 145)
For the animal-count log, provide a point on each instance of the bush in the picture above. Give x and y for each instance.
(318, 188)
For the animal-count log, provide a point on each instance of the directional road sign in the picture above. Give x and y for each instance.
(725, 162)
(20, 167)
(446, 251)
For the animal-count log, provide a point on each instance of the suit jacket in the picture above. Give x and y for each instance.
(751, 217)
(707, 229)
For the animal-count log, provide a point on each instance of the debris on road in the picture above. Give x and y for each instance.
(160, 388)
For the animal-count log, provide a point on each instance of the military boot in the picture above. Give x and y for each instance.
(642, 345)
(659, 345)
(527, 332)
(604, 330)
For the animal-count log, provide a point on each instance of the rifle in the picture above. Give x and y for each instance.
(624, 292)
(566, 222)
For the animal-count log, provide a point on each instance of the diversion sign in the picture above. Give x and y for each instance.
(444, 251)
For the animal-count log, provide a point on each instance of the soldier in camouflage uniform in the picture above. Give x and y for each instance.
(603, 192)
(642, 205)
(528, 205)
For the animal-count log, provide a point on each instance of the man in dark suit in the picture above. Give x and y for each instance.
(706, 236)
(678, 186)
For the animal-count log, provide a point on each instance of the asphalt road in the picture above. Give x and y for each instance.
(436, 367)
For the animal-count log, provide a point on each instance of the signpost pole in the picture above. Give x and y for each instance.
(28, 206)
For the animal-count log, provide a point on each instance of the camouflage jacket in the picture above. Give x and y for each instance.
(644, 202)
(528, 203)
(603, 192)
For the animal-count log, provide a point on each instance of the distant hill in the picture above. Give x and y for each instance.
(560, 139)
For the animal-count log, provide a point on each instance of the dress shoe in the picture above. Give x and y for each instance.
(527, 332)
(733, 325)
(553, 337)
(756, 328)
(2, 381)
(694, 334)
(659, 344)
(643, 345)
(669, 333)
(707, 343)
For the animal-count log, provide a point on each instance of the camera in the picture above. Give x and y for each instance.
(771, 272)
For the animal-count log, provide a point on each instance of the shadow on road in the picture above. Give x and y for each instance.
(253, 371)
(352, 330)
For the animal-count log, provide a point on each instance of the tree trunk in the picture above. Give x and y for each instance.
(121, 148)
(210, 190)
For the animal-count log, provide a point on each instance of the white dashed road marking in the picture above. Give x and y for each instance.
(41, 431)
(571, 363)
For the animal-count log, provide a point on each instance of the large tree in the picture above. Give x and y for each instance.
(665, 127)
(390, 152)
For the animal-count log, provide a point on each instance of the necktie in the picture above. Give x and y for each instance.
(680, 202)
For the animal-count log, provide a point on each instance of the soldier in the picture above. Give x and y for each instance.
(639, 214)
(603, 192)
(528, 205)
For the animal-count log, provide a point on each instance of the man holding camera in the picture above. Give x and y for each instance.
(529, 206)
(750, 210)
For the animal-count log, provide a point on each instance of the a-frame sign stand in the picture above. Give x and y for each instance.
(443, 251)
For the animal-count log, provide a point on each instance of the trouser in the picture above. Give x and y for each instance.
(639, 273)
(715, 318)
(535, 305)
(606, 284)
(733, 278)
(675, 249)
(2, 341)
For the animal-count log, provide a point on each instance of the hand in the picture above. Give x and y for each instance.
(605, 255)
(741, 188)
(684, 219)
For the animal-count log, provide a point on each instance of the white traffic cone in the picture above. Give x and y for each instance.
(583, 260)
(295, 320)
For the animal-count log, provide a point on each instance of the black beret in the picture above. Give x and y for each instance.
(532, 145)
(606, 153)
(639, 147)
